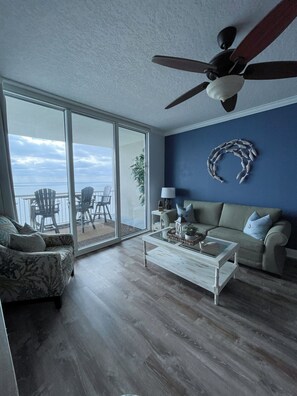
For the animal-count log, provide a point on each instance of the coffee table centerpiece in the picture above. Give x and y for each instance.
(191, 233)
(185, 232)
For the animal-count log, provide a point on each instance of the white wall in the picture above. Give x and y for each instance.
(157, 167)
(131, 209)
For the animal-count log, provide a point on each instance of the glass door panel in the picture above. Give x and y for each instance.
(93, 163)
(38, 160)
(133, 181)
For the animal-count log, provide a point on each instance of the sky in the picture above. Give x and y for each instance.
(39, 163)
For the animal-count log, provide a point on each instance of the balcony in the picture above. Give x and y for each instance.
(104, 230)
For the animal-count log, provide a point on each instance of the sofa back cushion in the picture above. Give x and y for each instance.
(206, 212)
(6, 228)
(235, 216)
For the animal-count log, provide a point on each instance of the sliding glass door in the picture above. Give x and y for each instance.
(38, 160)
(93, 163)
(102, 164)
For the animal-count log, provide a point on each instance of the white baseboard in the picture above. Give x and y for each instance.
(291, 253)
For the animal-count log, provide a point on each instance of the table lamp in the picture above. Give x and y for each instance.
(168, 193)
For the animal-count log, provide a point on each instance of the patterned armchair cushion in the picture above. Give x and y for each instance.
(27, 243)
(6, 228)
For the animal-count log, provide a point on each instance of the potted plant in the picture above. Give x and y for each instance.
(138, 175)
(190, 232)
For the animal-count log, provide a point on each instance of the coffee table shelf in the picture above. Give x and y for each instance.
(209, 271)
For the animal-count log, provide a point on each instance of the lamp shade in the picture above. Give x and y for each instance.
(168, 192)
(225, 87)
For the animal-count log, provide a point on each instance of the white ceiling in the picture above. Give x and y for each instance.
(98, 52)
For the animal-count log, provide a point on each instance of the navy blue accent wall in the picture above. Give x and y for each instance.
(273, 179)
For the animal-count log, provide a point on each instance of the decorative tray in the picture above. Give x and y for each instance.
(172, 235)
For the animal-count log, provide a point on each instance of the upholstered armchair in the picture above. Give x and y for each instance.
(33, 265)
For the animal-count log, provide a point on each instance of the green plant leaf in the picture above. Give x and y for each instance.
(138, 175)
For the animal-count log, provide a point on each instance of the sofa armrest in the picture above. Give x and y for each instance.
(274, 256)
(58, 240)
(169, 217)
(278, 234)
(14, 260)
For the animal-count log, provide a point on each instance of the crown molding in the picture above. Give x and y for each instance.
(233, 116)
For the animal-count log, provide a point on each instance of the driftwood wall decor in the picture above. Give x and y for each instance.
(238, 147)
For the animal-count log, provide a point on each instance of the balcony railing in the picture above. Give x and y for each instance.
(26, 204)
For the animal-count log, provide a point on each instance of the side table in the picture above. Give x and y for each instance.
(156, 218)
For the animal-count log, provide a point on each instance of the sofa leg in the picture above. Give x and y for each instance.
(72, 273)
(58, 302)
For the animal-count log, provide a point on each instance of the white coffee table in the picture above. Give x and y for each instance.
(209, 268)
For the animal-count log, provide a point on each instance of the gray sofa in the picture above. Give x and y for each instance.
(227, 221)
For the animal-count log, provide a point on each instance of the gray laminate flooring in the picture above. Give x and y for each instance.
(124, 328)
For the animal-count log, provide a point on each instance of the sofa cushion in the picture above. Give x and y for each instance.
(235, 216)
(203, 228)
(250, 249)
(187, 213)
(27, 243)
(206, 212)
(6, 228)
(257, 227)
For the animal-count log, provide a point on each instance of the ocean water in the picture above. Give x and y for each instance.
(25, 189)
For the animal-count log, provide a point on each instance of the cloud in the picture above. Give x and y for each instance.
(39, 162)
(42, 142)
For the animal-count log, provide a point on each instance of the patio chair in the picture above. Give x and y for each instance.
(85, 203)
(104, 202)
(46, 207)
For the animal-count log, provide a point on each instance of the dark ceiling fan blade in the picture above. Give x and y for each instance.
(230, 103)
(194, 91)
(266, 31)
(183, 64)
(271, 70)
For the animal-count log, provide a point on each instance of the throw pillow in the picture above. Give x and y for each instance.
(27, 243)
(6, 228)
(187, 213)
(27, 230)
(257, 226)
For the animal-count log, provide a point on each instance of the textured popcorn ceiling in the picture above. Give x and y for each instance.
(98, 52)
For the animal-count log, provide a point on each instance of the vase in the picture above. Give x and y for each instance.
(190, 237)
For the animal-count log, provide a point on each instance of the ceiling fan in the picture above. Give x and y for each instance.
(228, 69)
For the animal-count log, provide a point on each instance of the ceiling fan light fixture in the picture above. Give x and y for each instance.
(225, 87)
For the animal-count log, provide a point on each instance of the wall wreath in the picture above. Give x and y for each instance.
(238, 147)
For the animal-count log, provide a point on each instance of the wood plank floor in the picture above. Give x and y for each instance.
(124, 328)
